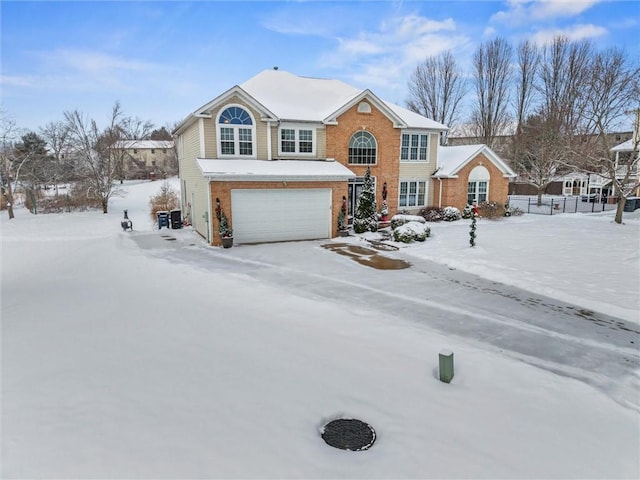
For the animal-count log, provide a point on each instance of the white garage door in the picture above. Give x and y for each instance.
(281, 215)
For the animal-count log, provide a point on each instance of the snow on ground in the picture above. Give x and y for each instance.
(119, 364)
(585, 259)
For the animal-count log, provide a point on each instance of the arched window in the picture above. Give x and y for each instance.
(362, 148)
(236, 133)
(478, 189)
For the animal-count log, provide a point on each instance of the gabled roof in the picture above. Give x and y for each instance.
(280, 95)
(273, 170)
(452, 159)
(625, 146)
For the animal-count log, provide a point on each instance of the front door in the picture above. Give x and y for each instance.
(355, 189)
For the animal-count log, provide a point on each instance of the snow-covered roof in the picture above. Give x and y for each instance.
(284, 96)
(624, 146)
(291, 97)
(273, 170)
(145, 144)
(452, 159)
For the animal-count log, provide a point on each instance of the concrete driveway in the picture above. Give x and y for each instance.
(567, 339)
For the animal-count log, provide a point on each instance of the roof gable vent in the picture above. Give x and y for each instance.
(364, 107)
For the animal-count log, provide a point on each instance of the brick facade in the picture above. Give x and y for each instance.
(387, 137)
(454, 190)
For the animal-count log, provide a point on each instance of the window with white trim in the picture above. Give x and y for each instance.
(412, 193)
(295, 139)
(478, 186)
(414, 147)
(362, 149)
(236, 133)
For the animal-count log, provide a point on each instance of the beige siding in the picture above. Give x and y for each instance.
(415, 170)
(210, 138)
(274, 141)
(210, 130)
(321, 143)
(434, 139)
(193, 182)
(321, 139)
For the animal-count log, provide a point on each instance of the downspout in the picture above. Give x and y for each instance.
(440, 194)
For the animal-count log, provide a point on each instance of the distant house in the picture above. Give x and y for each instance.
(281, 154)
(148, 157)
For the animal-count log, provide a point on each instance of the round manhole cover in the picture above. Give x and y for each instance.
(348, 434)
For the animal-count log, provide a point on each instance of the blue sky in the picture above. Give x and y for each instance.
(162, 60)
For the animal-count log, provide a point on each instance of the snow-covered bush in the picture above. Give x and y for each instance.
(451, 214)
(400, 219)
(411, 231)
(467, 212)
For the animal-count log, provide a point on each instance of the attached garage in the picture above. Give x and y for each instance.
(275, 200)
(276, 215)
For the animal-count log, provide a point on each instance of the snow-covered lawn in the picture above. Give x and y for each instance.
(120, 364)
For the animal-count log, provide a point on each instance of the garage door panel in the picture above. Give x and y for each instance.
(272, 215)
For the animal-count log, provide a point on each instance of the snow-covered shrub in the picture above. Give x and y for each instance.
(400, 219)
(432, 214)
(451, 214)
(467, 212)
(411, 231)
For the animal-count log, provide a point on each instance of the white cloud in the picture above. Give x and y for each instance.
(383, 56)
(18, 81)
(523, 11)
(95, 61)
(573, 33)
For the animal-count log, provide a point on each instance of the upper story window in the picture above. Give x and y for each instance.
(415, 147)
(297, 139)
(363, 148)
(236, 133)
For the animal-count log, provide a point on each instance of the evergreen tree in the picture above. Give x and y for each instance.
(472, 232)
(365, 218)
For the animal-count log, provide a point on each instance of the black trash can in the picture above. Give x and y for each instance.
(632, 204)
(163, 220)
(176, 219)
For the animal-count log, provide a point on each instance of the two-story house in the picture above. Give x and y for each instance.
(143, 158)
(280, 154)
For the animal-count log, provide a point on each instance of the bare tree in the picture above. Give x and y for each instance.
(526, 69)
(100, 158)
(613, 93)
(56, 134)
(436, 88)
(11, 165)
(543, 155)
(564, 77)
(492, 75)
